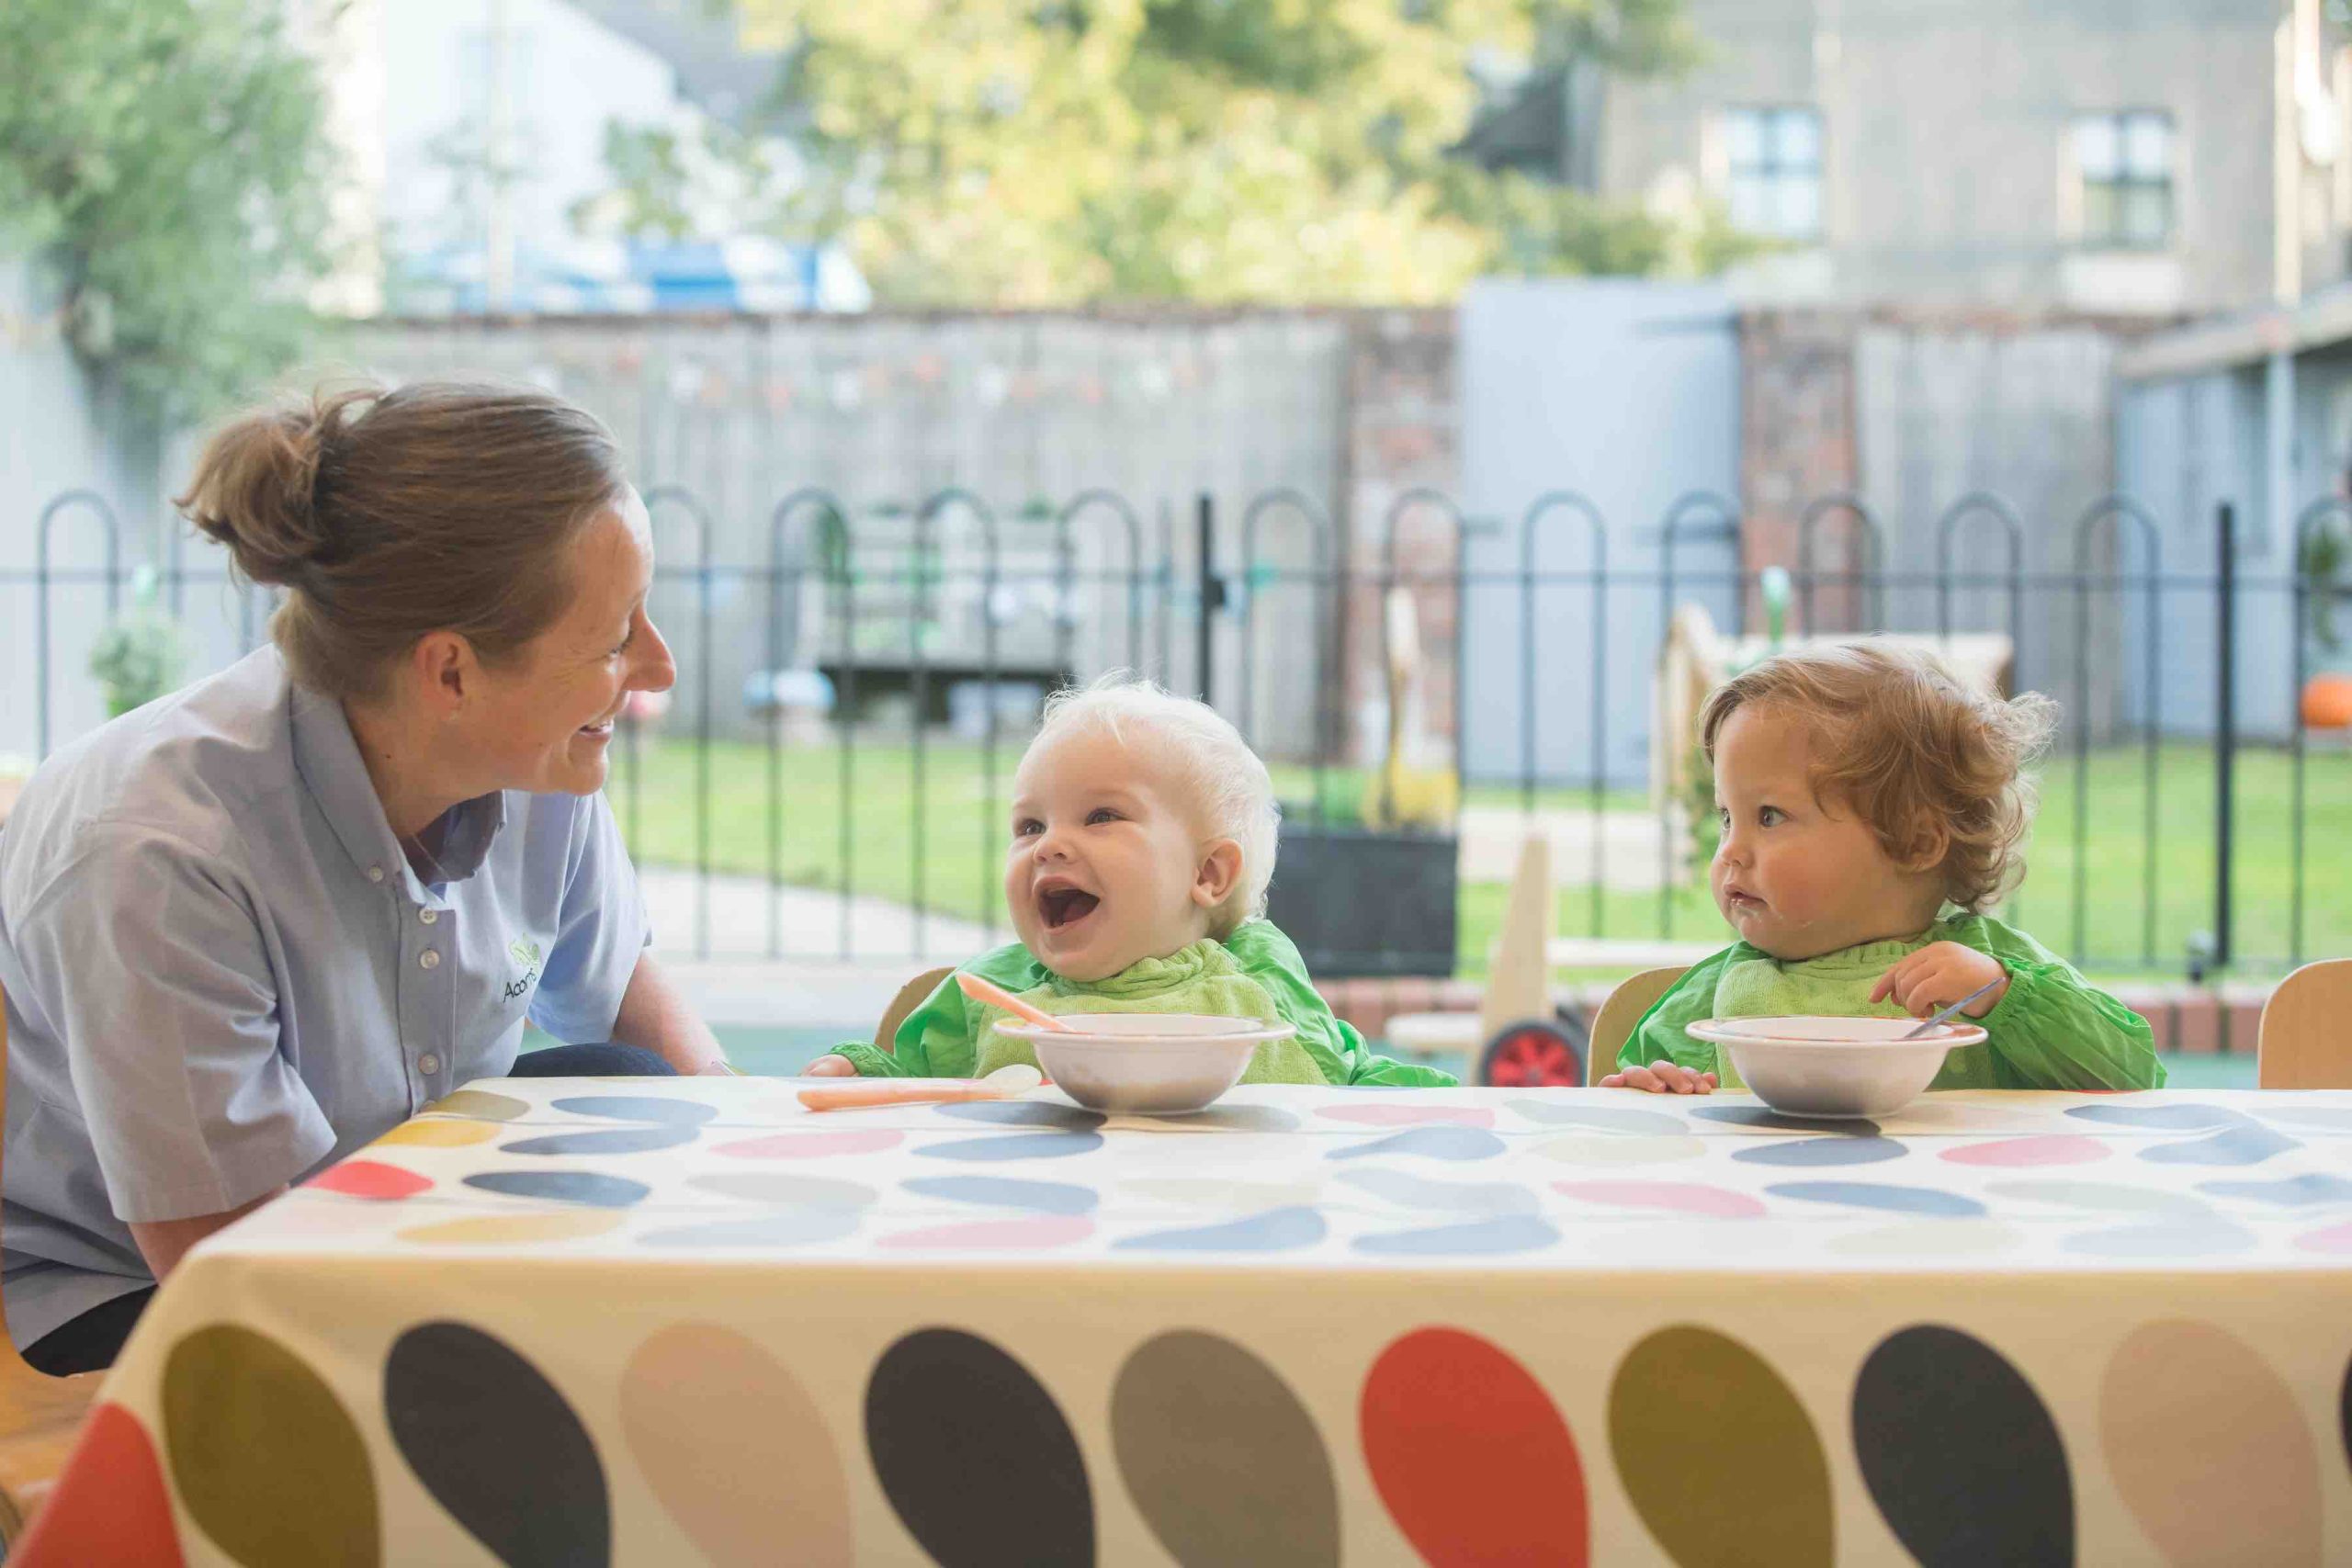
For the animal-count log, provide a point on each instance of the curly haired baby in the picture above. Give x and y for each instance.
(1872, 808)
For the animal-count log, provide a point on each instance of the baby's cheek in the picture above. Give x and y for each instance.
(1814, 895)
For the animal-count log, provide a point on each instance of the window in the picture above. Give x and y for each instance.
(2124, 161)
(1774, 156)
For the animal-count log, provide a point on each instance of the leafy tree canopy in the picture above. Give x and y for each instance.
(1047, 152)
(166, 160)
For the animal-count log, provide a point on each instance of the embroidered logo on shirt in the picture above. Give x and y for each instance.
(525, 951)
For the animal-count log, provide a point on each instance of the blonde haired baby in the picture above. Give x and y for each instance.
(1872, 808)
(1142, 840)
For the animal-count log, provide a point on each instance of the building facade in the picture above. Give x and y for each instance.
(2094, 156)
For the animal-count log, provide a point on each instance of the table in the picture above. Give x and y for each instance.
(580, 1321)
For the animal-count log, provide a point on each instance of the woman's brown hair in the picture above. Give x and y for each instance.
(1907, 750)
(390, 513)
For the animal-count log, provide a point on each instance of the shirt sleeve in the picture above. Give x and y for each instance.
(940, 1025)
(873, 1063)
(601, 930)
(2053, 1029)
(941, 1038)
(148, 954)
(1269, 957)
(1659, 1037)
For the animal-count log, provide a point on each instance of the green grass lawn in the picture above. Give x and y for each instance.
(941, 844)
(947, 854)
(2138, 912)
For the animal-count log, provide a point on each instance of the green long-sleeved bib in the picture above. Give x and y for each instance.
(2051, 1030)
(1255, 972)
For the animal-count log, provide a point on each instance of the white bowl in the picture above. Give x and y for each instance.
(1834, 1066)
(1150, 1064)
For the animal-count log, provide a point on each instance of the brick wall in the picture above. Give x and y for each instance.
(1401, 431)
(1796, 423)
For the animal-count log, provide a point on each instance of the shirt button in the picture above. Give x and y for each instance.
(428, 959)
(428, 1064)
(428, 915)
(375, 873)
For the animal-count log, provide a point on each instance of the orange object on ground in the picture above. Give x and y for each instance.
(2327, 702)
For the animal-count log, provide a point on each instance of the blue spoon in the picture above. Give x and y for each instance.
(1955, 1007)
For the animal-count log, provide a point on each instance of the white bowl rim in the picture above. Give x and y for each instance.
(1759, 1031)
(1258, 1033)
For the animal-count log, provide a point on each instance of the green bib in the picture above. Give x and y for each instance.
(1201, 978)
(1835, 984)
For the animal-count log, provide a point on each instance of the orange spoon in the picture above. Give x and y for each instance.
(1008, 1082)
(980, 990)
(858, 1094)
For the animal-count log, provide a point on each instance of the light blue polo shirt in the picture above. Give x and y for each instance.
(222, 974)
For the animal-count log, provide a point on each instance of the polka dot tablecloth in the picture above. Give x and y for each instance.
(575, 1322)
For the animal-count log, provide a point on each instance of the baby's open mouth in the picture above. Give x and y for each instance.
(1064, 907)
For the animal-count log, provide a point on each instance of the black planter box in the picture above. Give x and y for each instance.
(1359, 902)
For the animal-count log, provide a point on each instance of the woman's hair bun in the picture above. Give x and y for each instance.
(256, 485)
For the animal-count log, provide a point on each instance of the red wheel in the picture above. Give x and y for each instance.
(1532, 1055)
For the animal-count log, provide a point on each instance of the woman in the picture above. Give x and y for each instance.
(245, 929)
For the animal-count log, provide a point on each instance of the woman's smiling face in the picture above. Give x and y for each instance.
(1106, 866)
(546, 724)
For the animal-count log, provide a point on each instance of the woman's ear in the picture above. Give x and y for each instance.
(442, 665)
(1218, 873)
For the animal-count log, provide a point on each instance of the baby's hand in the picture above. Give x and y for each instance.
(1662, 1077)
(829, 1067)
(1940, 974)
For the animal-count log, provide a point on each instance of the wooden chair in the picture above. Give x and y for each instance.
(911, 996)
(1635, 996)
(39, 1415)
(2306, 1036)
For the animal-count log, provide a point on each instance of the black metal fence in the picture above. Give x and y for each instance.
(844, 801)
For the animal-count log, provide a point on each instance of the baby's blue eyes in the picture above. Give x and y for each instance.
(1029, 827)
(1767, 817)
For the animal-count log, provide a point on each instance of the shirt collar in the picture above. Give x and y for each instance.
(327, 757)
(473, 826)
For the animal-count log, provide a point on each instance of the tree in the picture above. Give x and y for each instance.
(1019, 152)
(167, 160)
